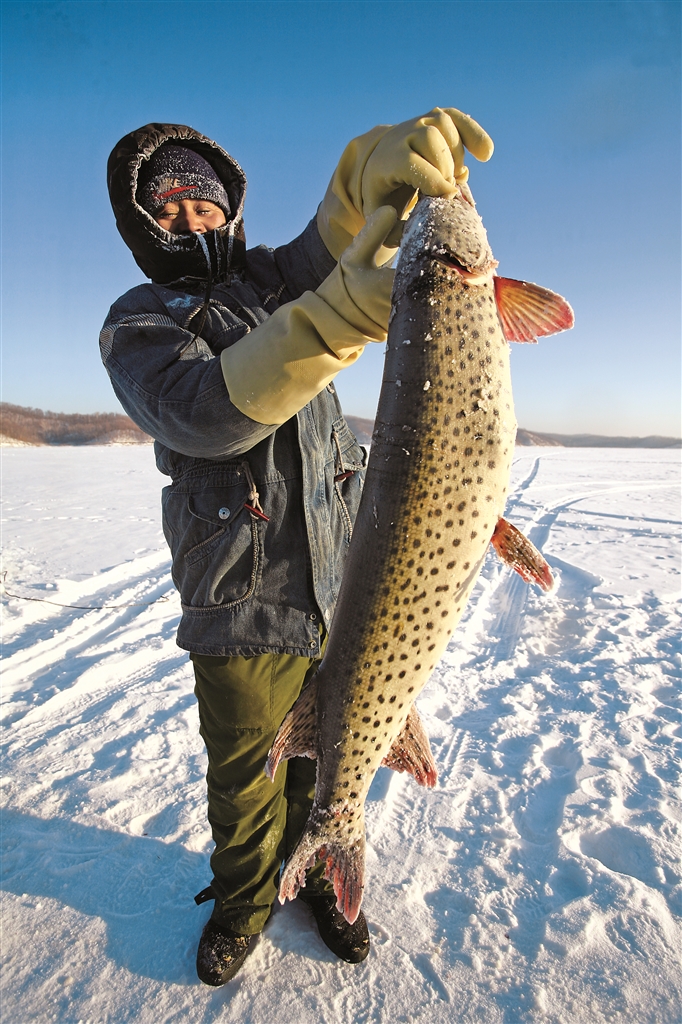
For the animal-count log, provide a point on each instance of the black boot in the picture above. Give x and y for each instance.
(350, 942)
(220, 954)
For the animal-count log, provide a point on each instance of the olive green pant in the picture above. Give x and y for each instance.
(255, 822)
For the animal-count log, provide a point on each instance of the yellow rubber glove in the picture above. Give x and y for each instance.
(357, 288)
(389, 164)
(276, 369)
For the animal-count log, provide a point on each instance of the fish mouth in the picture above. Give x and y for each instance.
(477, 275)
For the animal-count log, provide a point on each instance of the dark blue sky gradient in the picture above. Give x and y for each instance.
(582, 194)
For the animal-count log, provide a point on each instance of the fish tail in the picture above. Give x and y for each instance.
(343, 850)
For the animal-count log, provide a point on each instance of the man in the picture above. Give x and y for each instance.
(227, 359)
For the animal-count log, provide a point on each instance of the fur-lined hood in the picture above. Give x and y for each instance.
(162, 256)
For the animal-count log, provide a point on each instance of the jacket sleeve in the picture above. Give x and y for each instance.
(171, 386)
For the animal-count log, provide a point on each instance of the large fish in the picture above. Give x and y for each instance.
(433, 499)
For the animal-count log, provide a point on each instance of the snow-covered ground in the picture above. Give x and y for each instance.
(540, 880)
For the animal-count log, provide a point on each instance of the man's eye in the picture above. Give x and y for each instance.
(203, 213)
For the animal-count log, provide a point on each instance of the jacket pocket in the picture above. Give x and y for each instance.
(216, 543)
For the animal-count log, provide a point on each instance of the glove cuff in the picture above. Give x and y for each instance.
(340, 217)
(280, 366)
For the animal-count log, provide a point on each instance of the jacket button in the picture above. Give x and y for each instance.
(313, 616)
(312, 643)
(223, 513)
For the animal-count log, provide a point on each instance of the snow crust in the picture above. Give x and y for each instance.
(539, 881)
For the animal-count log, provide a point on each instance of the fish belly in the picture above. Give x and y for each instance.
(436, 485)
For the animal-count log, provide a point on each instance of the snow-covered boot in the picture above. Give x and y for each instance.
(220, 954)
(350, 942)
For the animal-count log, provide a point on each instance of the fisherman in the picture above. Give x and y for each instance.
(227, 360)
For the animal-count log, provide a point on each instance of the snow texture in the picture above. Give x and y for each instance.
(539, 881)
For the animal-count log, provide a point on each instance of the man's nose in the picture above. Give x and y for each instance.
(189, 222)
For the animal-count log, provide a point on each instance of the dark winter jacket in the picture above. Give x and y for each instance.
(248, 584)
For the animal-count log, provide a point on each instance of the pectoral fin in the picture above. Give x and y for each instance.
(528, 312)
(297, 735)
(518, 552)
(411, 752)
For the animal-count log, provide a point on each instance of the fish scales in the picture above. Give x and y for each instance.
(435, 489)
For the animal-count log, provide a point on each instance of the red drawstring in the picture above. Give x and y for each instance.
(254, 504)
(257, 512)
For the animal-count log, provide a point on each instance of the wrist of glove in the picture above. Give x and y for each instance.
(358, 289)
(389, 165)
(340, 216)
(280, 366)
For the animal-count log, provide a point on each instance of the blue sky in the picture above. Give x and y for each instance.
(582, 194)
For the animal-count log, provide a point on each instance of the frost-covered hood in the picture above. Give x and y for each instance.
(162, 256)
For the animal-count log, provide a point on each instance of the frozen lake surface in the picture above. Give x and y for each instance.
(539, 881)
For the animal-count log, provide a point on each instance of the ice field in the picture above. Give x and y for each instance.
(540, 880)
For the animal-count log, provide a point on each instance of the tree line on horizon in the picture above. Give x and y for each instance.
(33, 426)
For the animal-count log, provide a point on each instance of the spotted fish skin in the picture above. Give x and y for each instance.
(435, 488)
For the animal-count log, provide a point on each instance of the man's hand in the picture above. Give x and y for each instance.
(277, 368)
(390, 164)
(367, 285)
(425, 154)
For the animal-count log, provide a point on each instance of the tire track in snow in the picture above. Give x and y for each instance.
(90, 630)
(552, 822)
(395, 804)
(29, 623)
(451, 760)
(527, 481)
(580, 622)
(57, 641)
(512, 595)
(89, 677)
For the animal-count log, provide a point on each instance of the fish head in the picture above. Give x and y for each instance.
(449, 229)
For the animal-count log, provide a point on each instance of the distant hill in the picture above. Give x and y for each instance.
(363, 428)
(527, 437)
(20, 426)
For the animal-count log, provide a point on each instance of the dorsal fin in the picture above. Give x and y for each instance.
(528, 312)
